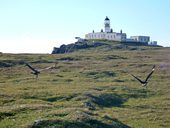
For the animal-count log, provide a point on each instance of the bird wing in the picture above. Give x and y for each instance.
(137, 78)
(33, 69)
(150, 73)
(46, 68)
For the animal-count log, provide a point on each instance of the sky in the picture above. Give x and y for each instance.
(36, 26)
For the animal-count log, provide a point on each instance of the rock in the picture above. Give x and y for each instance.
(79, 116)
(76, 46)
(89, 106)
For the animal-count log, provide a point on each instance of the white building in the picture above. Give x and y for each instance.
(143, 39)
(154, 43)
(107, 34)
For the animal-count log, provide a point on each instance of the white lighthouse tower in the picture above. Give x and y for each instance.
(107, 24)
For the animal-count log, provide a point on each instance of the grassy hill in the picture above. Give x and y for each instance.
(89, 88)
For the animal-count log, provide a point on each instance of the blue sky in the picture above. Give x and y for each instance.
(36, 26)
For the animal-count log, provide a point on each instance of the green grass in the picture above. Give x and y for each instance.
(89, 88)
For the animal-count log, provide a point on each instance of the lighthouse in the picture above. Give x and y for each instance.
(107, 33)
(107, 24)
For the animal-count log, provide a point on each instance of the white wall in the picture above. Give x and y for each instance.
(109, 36)
(141, 38)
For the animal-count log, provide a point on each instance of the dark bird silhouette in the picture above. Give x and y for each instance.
(145, 82)
(36, 72)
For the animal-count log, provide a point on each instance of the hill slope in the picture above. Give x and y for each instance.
(89, 88)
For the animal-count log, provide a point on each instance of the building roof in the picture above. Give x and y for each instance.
(107, 18)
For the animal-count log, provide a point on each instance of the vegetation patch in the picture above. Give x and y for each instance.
(59, 98)
(110, 57)
(68, 58)
(107, 100)
(77, 119)
(6, 114)
(99, 74)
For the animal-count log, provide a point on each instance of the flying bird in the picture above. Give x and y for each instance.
(36, 72)
(145, 82)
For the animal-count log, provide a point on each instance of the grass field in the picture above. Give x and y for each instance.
(89, 88)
